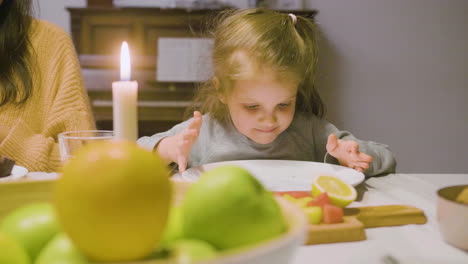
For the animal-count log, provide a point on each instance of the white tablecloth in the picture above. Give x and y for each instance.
(402, 244)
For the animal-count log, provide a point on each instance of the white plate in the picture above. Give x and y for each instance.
(282, 175)
(16, 173)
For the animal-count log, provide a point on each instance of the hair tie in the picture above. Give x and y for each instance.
(293, 18)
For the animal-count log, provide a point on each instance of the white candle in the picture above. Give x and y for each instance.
(124, 99)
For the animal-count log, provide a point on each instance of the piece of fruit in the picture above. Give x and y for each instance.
(314, 214)
(462, 197)
(301, 202)
(229, 208)
(174, 229)
(332, 214)
(60, 250)
(112, 200)
(32, 225)
(321, 200)
(295, 194)
(191, 250)
(341, 194)
(11, 252)
(289, 198)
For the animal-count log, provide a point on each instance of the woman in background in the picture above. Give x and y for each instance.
(41, 88)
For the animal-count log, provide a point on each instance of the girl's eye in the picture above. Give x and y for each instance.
(284, 105)
(251, 107)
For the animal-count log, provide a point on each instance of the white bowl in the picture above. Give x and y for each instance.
(278, 250)
(453, 216)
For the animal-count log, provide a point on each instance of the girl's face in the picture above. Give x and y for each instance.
(262, 108)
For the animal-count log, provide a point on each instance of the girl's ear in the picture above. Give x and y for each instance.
(216, 85)
(222, 98)
(215, 82)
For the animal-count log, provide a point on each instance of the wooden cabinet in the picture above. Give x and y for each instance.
(102, 30)
(98, 33)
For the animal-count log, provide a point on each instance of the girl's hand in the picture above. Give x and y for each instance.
(347, 153)
(177, 148)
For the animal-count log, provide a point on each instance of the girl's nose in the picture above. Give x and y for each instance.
(269, 119)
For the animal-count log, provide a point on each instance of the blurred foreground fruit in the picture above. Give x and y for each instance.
(340, 193)
(32, 225)
(60, 250)
(191, 250)
(11, 251)
(228, 208)
(113, 200)
(174, 229)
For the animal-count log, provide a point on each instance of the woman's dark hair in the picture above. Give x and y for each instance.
(15, 52)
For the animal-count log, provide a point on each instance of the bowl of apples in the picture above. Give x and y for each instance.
(122, 208)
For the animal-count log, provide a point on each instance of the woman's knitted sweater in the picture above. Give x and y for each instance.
(59, 102)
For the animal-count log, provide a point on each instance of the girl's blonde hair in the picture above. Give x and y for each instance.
(248, 41)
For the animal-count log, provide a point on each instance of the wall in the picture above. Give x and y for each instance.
(397, 72)
(390, 71)
(55, 11)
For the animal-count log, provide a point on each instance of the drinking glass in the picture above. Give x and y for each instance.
(71, 141)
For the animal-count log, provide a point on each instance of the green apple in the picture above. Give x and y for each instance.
(32, 226)
(191, 250)
(11, 251)
(229, 208)
(173, 230)
(60, 250)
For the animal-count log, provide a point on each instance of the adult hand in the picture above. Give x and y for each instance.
(177, 148)
(347, 153)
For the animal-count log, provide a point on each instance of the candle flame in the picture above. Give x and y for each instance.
(125, 70)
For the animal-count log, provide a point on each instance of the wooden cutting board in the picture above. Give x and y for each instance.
(358, 218)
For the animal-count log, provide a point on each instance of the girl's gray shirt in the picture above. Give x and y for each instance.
(305, 139)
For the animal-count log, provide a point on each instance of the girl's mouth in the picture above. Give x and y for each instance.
(266, 130)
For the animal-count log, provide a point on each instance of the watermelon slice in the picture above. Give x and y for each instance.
(332, 214)
(321, 200)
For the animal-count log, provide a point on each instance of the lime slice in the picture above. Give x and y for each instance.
(341, 194)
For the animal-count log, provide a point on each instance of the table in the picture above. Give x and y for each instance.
(402, 244)
(410, 244)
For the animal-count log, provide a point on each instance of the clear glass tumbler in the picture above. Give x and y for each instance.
(71, 141)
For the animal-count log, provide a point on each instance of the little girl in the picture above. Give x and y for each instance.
(261, 102)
